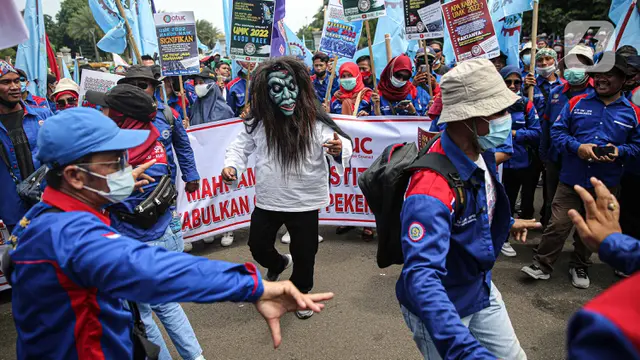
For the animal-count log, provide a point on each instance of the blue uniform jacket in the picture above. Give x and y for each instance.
(11, 206)
(586, 120)
(420, 102)
(39, 105)
(606, 328)
(527, 126)
(448, 258)
(176, 104)
(235, 94)
(336, 107)
(73, 271)
(558, 98)
(320, 86)
(178, 141)
(543, 87)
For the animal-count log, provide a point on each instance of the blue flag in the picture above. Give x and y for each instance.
(147, 28)
(76, 71)
(508, 31)
(296, 47)
(202, 46)
(65, 70)
(626, 16)
(278, 43)
(501, 8)
(105, 13)
(32, 54)
(217, 49)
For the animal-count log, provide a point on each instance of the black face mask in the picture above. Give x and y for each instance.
(321, 73)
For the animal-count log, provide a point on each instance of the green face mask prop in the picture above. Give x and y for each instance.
(283, 91)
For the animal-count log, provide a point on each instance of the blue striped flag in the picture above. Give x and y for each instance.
(32, 54)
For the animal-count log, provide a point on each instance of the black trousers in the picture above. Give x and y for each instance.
(303, 228)
(630, 205)
(525, 180)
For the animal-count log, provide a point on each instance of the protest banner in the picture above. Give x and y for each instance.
(252, 26)
(424, 137)
(423, 19)
(97, 81)
(177, 43)
(471, 29)
(217, 208)
(339, 36)
(363, 9)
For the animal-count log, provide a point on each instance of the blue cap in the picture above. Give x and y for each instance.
(511, 69)
(76, 132)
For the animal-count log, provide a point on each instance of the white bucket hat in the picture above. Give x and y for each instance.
(66, 84)
(580, 50)
(474, 88)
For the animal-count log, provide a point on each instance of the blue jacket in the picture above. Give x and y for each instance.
(11, 207)
(586, 120)
(178, 141)
(606, 327)
(321, 86)
(176, 104)
(448, 258)
(543, 87)
(235, 94)
(73, 271)
(39, 105)
(365, 105)
(559, 97)
(526, 123)
(420, 102)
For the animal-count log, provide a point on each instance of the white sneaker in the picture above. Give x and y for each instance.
(227, 239)
(286, 238)
(320, 239)
(209, 240)
(507, 250)
(304, 314)
(188, 247)
(580, 278)
(535, 272)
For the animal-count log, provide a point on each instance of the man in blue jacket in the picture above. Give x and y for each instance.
(445, 290)
(601, 121)
(72, 270)
(19, 126)
(320, 78)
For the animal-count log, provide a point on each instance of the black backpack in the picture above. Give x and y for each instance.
(384, 185)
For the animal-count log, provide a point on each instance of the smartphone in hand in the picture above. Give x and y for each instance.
(602, 151)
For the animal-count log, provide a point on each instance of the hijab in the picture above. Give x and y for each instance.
(348, 98)
(386, 88)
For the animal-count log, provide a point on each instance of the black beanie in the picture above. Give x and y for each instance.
(132, 102)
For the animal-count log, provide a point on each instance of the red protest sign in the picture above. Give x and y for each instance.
(471, 29)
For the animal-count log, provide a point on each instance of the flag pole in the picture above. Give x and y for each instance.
(387, 43)
(623, 26)
(184, 105)
(534, 46)
(373, 67)
(132, 41)
(327, 96)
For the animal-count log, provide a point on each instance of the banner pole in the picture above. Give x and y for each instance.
(387, 43)
(534, 46)
(132, 41)
(327, 96)
(373, 65)
(423, 44)
(184, 106)
(623, 26)
(246, 89)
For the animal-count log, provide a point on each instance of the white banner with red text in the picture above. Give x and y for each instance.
(217, 208)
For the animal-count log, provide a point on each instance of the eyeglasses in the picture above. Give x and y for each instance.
(437, 50)
(65, 102)
(122, 161)
(141, 84)
(515, 83)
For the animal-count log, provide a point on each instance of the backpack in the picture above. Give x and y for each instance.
(384, 185)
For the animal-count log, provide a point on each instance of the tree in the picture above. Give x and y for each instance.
(554, 15)
(54, 31)
(68, 8)
(82, 26)
(207, 33)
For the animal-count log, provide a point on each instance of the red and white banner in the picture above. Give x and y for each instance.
(217, 208)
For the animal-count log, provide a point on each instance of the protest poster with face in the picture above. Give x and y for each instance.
(423, 19)
(251, 29)
(177, 43)
(471, 29)
(97, 81)
(363, 9)
(339, 36)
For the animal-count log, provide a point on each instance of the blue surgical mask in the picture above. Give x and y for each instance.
(499, 131)
(575, 76)
(120, 184)
(526, 59)
(348, 83)
(23, 86)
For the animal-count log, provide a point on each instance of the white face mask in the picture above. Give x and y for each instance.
(120, 184)
(202, 90)
(546, 71)
(397, 82)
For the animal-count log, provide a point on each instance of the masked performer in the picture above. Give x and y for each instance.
(294, 142)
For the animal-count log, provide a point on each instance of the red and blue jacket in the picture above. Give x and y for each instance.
(320, 86)
(420, 102)
(38, 104)
(366, 104)
(587, 120)
(11, 206)
(607, 327)
(448, 257)
(176, 139)
(73, 271)
(558, 98)
(235, 94)
(542, 91)
(525, 121)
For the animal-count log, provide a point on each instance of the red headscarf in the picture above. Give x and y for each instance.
(386, 88)
(151, 148)
(348, 98)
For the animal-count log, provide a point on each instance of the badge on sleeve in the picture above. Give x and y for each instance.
(416, 231)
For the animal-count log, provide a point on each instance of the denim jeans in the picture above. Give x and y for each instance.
(171, 315)
(490, 326)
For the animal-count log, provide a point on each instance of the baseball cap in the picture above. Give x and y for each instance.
(76, 132)
(66, 85)
(95, 98)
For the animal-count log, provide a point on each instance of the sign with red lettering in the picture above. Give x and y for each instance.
(217, 208)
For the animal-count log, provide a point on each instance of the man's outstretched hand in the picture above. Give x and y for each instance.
(282, 297)
(521, 227)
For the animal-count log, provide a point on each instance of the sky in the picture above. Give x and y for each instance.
(299, 12)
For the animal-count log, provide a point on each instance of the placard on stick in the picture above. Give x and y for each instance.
(423, 19)
(471, 29)
(251, 29)
(177, 43)
(339, 36)
(363, 9)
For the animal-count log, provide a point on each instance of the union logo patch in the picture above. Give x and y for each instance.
(416, 231)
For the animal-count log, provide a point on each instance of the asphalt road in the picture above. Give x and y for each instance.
(364, 319)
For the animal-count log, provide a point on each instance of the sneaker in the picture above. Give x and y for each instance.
(320, 239)
(620, 274)
(227, 239)
(275, 277)
(579, 278)
(535, 272)
(507, 250)
(209, 240)
(188, 247)
(304, 314)
(286, 238)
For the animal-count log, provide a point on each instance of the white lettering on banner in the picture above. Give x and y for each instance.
(217, 208)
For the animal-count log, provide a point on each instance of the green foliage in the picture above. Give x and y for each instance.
(207, 33)
(554, 15)
(9, 52)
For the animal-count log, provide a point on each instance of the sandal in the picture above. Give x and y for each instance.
(367, 234)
